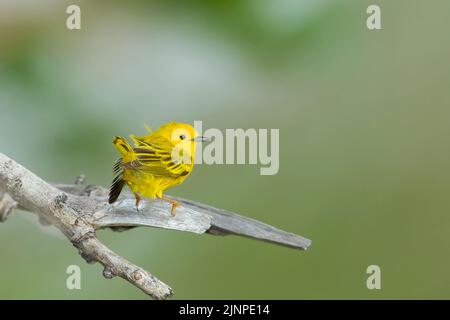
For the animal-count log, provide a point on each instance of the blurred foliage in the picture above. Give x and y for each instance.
(363, 118)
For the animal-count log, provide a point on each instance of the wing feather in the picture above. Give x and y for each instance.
(155, 158)
(118, 182)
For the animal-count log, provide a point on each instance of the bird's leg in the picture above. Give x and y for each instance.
(174, 205)
(138, 199)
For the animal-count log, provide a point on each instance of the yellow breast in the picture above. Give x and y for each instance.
(148, 185)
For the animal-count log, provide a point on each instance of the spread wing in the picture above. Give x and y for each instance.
(155, 157)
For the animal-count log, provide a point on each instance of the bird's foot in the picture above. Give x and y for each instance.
(174, 205)
(138, 199)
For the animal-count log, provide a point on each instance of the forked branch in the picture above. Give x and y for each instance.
(78, 211)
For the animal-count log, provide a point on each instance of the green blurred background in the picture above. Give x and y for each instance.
(364, 122)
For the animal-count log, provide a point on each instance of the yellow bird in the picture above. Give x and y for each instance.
(158, 161)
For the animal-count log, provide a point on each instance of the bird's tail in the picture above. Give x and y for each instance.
(125, 150)
(127, 153)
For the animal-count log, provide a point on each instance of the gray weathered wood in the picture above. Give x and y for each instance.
(226, 222)
(73, 216)
(79, 210)
(191, 216)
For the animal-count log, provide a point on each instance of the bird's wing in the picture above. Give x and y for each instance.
(155, 157)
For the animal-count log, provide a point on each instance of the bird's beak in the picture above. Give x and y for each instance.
(201, 139)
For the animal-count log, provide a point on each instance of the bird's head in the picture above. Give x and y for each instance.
(182, 135)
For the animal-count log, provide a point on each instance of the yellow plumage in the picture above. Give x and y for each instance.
(160, 160)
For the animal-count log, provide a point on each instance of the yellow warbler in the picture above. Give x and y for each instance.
(159, 160)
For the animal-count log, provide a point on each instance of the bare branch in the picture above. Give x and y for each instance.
(91, 249)
(72, 215)
(191, 216)
(78, 211)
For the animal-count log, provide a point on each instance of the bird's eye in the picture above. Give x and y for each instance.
(182, 137)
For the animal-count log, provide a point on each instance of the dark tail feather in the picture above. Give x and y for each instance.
(116, 188)
(118, 182)
(117, 167)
